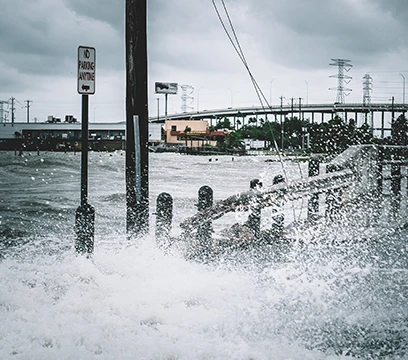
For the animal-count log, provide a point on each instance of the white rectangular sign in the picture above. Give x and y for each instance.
(86, 70)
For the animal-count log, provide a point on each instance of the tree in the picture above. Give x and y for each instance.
(232, 140)
(186, 131)
(224, 124)
(399, 129)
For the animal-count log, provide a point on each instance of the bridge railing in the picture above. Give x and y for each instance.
(359, 173)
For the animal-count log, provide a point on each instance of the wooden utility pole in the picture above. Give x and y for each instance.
(392, 110)
(28, 110)
(12, 110)
(137, 133)
(300, 108)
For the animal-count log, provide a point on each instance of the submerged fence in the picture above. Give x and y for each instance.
(359, 173)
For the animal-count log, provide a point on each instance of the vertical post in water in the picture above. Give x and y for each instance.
(137, 186)
(85, 214)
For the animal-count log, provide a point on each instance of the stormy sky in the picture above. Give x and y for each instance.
(288, 46)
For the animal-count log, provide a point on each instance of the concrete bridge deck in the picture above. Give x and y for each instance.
(295, 110)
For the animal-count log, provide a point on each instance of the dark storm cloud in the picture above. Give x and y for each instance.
(111, 12)
(187, 34)
(186, 42)
(309, 33)
(397, 8)
(41, 37)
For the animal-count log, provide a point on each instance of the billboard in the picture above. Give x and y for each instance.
(165, 88)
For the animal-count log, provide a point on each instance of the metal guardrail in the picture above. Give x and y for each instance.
(358, 173)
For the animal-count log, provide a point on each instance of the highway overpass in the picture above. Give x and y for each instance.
(313, 112)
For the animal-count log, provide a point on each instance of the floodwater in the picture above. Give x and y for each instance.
(338, 292)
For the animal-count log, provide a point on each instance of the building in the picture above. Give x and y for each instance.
(197, 134)
(60, 135)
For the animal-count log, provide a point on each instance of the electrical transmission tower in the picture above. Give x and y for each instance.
(2, 117)
(342, 65)
(367, 88)
(12, 100)
(187, 99)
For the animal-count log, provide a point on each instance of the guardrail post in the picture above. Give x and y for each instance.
(164, 218)
(254, 218)
(380, 175)
(396, 182)
(333, 201)
(204, 231)
(278, 221)
(313, 203)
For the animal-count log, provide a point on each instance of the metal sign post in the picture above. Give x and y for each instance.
(85, 214)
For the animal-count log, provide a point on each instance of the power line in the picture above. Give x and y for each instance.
(238, 49)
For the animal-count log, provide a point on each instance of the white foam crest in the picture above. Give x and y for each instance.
(138, 303)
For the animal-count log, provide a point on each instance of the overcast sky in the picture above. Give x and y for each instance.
(288, 45)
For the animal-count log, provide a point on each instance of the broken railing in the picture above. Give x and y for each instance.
(357, 173)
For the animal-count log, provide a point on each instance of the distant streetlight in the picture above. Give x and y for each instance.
(403, 89)
(307, 92)
(198, 98)
(158, 109)
(270, 92)
(231, 95)
(203, 87)
(282, 121)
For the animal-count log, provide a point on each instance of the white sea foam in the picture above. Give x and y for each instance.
(323, 297)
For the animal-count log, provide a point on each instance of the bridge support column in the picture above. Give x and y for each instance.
(313, 203)
(164, 218)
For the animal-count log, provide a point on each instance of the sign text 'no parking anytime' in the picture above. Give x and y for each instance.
(86, 70)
